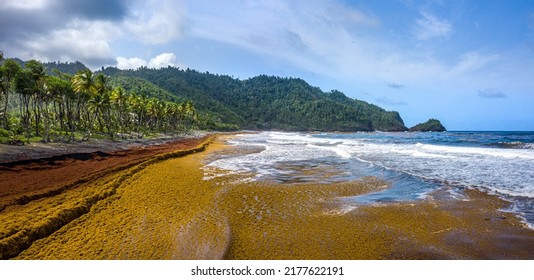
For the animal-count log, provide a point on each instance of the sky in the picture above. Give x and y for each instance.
(467, 63)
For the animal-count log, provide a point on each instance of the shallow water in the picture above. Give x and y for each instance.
(414, 163)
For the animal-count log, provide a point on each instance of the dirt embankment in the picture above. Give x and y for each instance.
(42, 171)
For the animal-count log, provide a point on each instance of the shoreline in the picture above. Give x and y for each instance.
(165, 210)
(38, 150)
(43, 170)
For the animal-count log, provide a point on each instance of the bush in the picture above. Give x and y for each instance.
(4, 133)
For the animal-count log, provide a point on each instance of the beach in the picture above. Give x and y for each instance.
(157, 202)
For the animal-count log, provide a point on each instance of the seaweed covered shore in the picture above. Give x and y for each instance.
(162, 207)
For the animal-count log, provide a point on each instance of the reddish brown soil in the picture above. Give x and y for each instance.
(25, 180)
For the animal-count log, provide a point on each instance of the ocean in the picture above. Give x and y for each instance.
(413, 163)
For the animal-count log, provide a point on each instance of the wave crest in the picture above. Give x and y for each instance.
(515, 145)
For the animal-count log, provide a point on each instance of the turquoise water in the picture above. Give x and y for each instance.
(413, 163)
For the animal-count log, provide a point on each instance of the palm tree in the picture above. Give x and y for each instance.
(47, 95)
(24, 86)
(84, 84)
(170, 112)
(119, 98)
(102, 92)
(64, 99)
(155, 112)
(190, 113)
(98, 105)
(8, 71)
(38, 74)
(138, 105)
(61, 94)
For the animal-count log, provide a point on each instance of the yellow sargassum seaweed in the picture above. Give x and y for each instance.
(163, 209)
(23, 224)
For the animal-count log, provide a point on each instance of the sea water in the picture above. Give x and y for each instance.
(414, 163)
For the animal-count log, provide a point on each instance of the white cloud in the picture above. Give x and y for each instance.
(162, 60)
(130, 63)
(23, 4)
(323, 37)
(329, 39)
(159, 61)
(429, 27)
(470, 62)
(156, 21)
(79, 40)
(314, 35)
(52, 30)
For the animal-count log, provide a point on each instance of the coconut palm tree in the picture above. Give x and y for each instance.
(38, 74)
(190, 113)
(84, 82)
(98, 105)
(48, 95)
(24, 86)
(138, 105)
(64, 99)
(118, 99)
(60, 92)
(8, 71)
(170, 116)
(103, 91)
(84, 85)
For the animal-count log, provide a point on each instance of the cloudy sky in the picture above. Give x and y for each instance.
(468, 63)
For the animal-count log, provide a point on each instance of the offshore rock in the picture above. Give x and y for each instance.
(430, 125)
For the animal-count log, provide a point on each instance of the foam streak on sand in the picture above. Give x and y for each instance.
(165, 210)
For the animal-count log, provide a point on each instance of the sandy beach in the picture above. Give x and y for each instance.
(153, 203)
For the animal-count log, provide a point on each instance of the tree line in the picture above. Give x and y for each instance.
(268, 102)
(34, 104)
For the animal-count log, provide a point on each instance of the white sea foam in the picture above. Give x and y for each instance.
(506, 171)
(505, 153)
(413, 168)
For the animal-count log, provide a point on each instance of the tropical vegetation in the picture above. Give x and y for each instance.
(263, 102)
(36, 105)
(58, 101)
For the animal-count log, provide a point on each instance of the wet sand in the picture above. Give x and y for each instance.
(165, 210)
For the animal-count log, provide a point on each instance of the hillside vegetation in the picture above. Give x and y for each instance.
(266, 102)
(58, 101)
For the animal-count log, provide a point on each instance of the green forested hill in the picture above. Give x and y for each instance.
(143, 87)
(262, 102)
(214, 115)
(70, 68)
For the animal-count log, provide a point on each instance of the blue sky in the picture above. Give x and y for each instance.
(468, 63)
